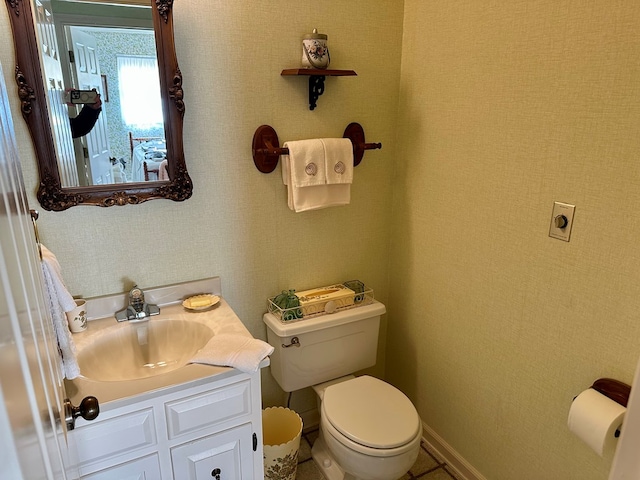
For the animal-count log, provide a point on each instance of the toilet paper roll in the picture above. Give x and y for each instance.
(594, 418)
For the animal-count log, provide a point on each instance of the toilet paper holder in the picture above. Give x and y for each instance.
(614, 389)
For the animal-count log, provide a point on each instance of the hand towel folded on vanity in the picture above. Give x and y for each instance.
(59, 301)
(310, 186)
(242, 352)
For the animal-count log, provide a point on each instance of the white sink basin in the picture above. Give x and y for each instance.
(131, 351)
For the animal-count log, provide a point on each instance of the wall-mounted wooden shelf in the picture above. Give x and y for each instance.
(316, 80)
(318, 72)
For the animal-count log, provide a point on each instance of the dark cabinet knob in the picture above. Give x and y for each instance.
(88, 409)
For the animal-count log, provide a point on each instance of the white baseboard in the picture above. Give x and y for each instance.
(446, 454)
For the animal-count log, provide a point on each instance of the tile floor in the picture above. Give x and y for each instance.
(427, 467)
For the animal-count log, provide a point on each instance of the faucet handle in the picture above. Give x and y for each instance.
(136, 298)
(138, 309)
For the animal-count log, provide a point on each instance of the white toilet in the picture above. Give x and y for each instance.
(369, 430)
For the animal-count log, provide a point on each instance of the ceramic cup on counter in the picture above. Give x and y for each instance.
(77, 318)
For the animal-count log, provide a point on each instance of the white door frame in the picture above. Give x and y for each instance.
(31, 386)
(626, 462)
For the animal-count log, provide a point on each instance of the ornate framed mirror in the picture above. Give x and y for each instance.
(35, 91)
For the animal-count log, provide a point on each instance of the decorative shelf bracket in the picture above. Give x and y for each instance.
(316, 88)
(266, 146)
(316, 80)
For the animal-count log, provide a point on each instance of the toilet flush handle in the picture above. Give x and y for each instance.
(295, 342)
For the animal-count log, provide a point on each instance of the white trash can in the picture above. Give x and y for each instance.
(281, 432)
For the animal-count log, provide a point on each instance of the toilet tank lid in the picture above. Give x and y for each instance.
(298, 327)
(371, 412)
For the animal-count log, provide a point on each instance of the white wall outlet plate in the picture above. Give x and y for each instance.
(561, 221)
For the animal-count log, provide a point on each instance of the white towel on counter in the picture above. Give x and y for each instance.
(310, 186)
(227, 350)
(59, 301)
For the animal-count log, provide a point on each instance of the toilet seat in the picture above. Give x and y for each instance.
(370, 413)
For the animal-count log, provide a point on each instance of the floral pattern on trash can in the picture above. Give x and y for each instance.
(281, 429)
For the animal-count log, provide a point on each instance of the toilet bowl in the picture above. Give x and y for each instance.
(369, 430)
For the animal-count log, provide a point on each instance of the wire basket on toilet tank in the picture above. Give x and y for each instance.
(291, 306)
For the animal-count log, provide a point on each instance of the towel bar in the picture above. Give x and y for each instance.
(266, 147)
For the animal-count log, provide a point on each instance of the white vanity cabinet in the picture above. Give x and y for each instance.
(209, 429)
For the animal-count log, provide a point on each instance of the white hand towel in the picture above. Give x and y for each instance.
(321, 196)
(338, 157)
(60, 291)
(59, 301)
(226, 350)
(304, 172)
(304, 166)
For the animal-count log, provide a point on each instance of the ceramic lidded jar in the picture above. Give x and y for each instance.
(315, 53)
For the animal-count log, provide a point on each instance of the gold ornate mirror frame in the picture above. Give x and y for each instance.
(33, 104)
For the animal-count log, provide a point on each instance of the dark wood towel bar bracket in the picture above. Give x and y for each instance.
(266, 146)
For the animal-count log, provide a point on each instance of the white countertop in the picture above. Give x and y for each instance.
(111, 394)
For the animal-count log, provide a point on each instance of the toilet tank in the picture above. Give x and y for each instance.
(325, 347)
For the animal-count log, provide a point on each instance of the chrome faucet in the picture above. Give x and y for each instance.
(138, 309)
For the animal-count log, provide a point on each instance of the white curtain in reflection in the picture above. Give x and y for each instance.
(139, 86)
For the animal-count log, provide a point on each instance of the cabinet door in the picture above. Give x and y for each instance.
(211, 408)
(147, 468)
(227, 455)
(113, 434)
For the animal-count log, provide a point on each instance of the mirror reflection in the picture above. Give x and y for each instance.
(43, 96)
(109, 70)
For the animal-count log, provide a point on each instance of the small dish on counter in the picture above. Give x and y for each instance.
(198, 303)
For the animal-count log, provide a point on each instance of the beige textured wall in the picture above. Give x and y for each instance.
(506, 107)
(237, 224)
